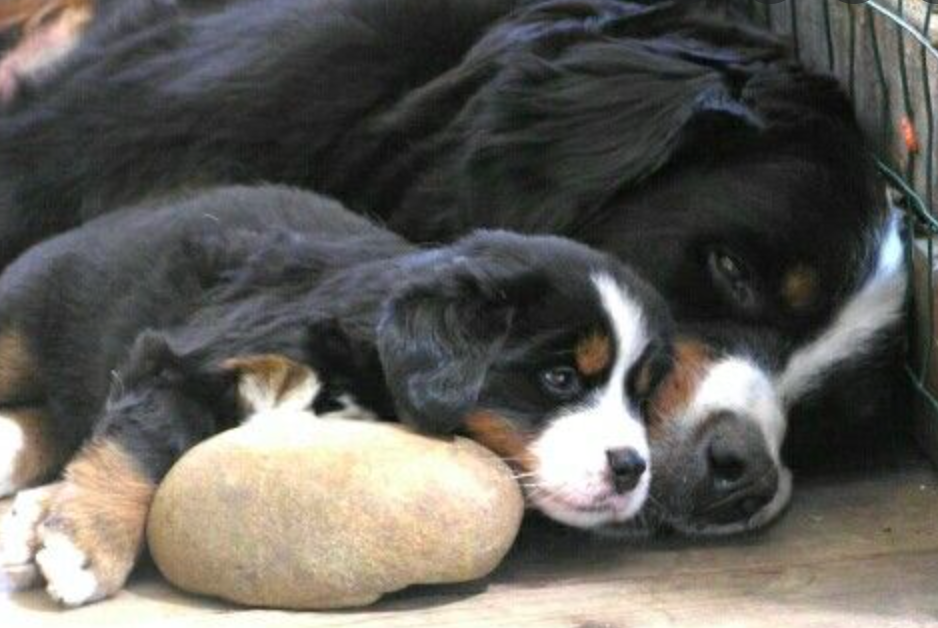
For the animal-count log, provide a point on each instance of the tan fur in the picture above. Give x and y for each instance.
(50, 30)
(643, 381)
(593, 354)
(18, 381)
(40, 457)
(102, 508)
(20, 13)
(271, 381)
(501, 437)
(676, 391)
(801, 288)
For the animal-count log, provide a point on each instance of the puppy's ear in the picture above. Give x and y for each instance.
(439, 335)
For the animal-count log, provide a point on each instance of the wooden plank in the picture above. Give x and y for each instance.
(855, 550)
(883, 103)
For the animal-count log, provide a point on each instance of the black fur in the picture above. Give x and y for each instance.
(669, 133)
(130, 319)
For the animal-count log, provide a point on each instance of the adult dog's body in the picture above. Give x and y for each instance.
(690, 145)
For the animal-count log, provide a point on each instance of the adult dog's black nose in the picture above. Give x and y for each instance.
(627, 466)
(741, 476)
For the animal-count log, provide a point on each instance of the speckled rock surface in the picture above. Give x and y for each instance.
(305, 513)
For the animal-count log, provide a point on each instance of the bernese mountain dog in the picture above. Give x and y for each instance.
(671, 133)
(121, 345)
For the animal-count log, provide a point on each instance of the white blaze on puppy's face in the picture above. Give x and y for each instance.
(572, 481)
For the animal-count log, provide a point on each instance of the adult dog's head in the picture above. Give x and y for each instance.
(692, 146)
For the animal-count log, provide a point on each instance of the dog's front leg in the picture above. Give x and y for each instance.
(93, 529)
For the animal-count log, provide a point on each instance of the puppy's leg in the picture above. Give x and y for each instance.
(28, 451)
(19, 538)
(93, 531)
(93, 528)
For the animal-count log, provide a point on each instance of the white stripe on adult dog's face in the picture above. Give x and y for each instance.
(878, 305)
(573, 479)
(739, 387)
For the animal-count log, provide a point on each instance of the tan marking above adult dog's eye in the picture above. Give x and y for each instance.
(801, 288)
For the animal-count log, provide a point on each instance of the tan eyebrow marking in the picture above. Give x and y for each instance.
(801, 287)
(593, 354)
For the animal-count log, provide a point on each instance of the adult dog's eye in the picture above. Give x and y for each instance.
(562, 381)
(733, 277)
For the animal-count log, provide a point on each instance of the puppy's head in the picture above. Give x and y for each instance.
(543, 350)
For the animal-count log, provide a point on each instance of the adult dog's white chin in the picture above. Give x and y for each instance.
(761, 519)
(583, 512)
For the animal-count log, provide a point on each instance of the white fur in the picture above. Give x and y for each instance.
(263, 401)
(351, 411)
(740, 387)
(573, 483)
(877, 305)
(65, 568)
(19, 541)
(12, 446)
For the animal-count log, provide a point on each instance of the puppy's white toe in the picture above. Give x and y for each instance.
(19, 540)
(66, 568)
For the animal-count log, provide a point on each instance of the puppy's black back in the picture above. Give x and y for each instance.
(80, 300)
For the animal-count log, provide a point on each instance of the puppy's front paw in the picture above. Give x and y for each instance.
(84, 556)
(19, 538)
(92, 527)
(76, 575)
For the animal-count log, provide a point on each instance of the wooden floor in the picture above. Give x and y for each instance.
(854, 551)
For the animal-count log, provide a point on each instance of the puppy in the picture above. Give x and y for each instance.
(122, 343)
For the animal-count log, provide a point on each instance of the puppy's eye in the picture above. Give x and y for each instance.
(733, 277)
(562, 381)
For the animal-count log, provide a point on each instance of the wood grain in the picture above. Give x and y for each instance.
(856, 550)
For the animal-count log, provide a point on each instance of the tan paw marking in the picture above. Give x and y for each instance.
(94, 529)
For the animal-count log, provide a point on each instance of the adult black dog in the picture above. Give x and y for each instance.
(671, 133)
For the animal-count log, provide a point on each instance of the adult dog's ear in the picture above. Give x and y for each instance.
(439, 335)
(569, 128)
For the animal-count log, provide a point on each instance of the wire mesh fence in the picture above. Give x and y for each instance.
(885, 54)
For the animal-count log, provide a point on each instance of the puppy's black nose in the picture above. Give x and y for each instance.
(627, 467)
